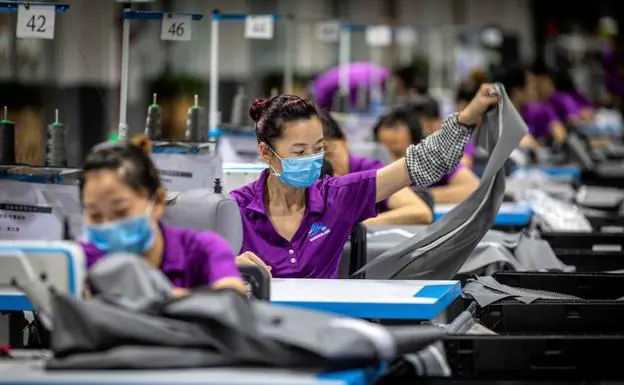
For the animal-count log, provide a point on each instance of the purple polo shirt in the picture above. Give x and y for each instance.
(360, 163)
(333, 206)
(448, 177)
(539, 118)
(564, 105)
(191, 258)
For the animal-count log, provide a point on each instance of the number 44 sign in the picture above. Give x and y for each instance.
(36, 21)
(176, 27)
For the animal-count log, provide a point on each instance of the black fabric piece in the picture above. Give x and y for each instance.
(212, 328)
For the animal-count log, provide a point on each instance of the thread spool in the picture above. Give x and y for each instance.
(153, 122)
(196, 127)
(56, 143)
(240, 117)
(7, 140)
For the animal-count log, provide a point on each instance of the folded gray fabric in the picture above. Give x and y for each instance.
(441, 249)
(486, 290)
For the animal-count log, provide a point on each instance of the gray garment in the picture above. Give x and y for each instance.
(441, 250)
(128, 280)
(486, 290)
(496, 251)
(212, 328)
(205, 210)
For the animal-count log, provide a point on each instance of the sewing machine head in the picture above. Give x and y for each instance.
(30, 269)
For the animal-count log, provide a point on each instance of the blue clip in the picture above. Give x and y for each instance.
(152, 15)
(13, 6)
(216, 15)
(354, 27)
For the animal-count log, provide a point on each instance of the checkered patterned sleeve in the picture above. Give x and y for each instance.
(438, 153)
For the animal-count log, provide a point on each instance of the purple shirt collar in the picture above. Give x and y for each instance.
(314, 200)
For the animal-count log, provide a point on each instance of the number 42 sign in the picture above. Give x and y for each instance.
(176, 27)
(36, 21)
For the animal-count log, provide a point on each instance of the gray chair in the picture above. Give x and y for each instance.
(206, 210)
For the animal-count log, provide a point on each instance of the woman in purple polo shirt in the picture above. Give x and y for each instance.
(123, 200)
(567, 108)
(402, 208)
(400, 129)
(296, 223)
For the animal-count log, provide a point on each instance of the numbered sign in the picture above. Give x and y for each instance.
(36, 21)
(378, 36)
(259, 27)
(328, 32)
(406, 36)
(176, 28)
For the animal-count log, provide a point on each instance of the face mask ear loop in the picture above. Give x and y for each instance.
(275, 173)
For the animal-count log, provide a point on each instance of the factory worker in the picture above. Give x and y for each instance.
(123, 200)
(296, 224)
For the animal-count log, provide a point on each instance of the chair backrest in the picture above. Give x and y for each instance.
(206, 210)
(372, 150)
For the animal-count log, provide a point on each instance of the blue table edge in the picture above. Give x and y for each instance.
(446, 294)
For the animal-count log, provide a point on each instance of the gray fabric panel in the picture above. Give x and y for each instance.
(441, 249)
(129, 281)
(537, 255)
(203, 210)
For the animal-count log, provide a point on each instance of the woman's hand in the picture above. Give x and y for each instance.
(179, 292)
(249, 258)
(485, 97)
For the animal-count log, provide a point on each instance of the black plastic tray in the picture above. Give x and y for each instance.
(588, 251)
(538, 358)
(598, 314)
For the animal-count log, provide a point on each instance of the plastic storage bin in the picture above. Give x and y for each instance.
(589, 252)
(600, 312)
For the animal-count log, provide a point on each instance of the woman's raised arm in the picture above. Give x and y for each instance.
(426, 162)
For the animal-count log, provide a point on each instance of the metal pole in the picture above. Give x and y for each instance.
(289, 65)
(125, 68)
(375, 89)
(344, 49)
(213, 117)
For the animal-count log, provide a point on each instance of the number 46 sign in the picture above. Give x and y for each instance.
(176, 27)
(36, 21)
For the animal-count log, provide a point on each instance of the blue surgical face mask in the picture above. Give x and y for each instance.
(133, 235)
(300, 171)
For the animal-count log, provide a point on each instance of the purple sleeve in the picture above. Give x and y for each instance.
(565, 105)
(92, 254)
(214, 257)
(539, 118)
(446, 179)
(353, 194)
(469, 149)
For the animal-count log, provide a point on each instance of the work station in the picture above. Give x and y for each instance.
(318, 193)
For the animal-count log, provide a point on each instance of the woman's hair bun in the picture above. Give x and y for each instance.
(258, 107)
(143, 142)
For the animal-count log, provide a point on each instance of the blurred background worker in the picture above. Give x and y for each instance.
(405, 207)
(400, 129)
